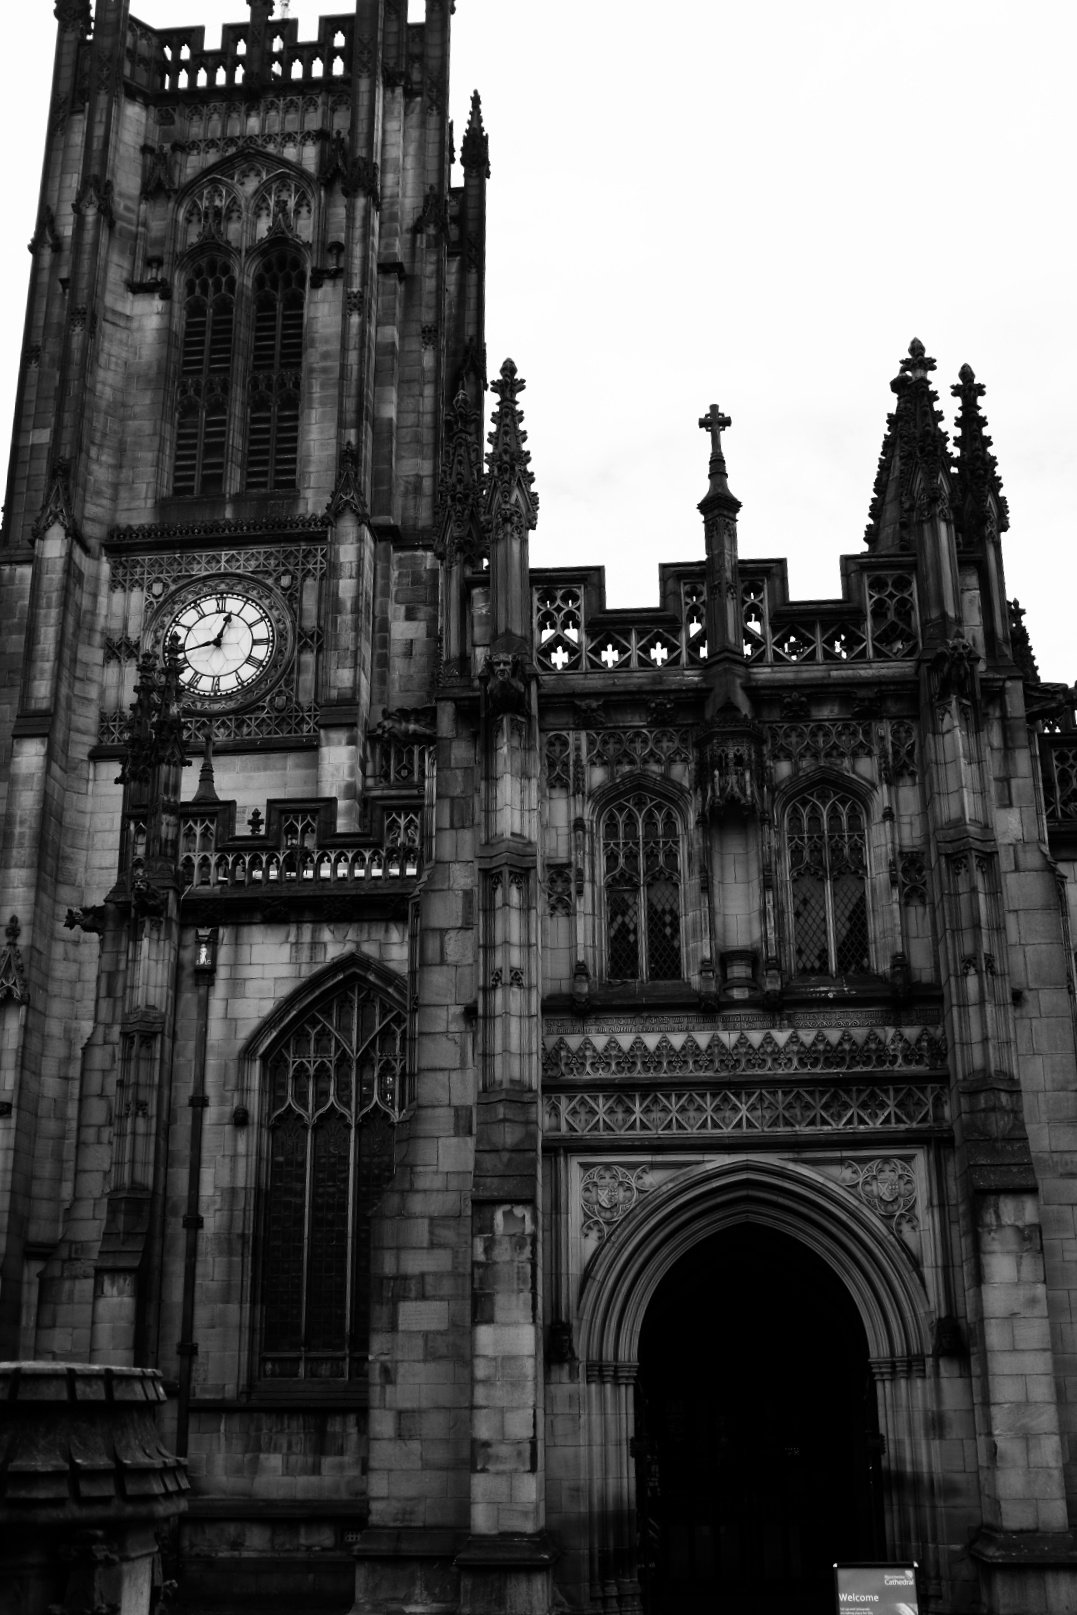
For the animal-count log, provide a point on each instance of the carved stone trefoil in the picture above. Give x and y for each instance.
(608, 1193)
(348, 493)
(887, 1187)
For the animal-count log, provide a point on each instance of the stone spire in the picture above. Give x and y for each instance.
(511, 514)
(510, 497)
(980, 507)
(475, 146)
(725, 639)
(912, 479)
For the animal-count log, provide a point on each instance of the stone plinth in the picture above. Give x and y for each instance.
(84, 1484)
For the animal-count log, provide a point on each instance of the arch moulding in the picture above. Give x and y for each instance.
(781, 1195)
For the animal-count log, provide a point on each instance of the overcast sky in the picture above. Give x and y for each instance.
(751, 204)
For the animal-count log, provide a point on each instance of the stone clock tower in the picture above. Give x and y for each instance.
(578, 1105)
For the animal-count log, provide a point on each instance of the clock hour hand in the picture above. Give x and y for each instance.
(207, 643)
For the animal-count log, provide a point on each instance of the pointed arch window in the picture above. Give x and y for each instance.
(826, 841)
(641, 861)
(280, 289)
(209, 314)
(336, 1084)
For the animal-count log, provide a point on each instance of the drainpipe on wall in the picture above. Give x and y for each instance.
(205, 968)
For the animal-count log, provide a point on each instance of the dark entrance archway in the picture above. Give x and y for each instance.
(756, 1447)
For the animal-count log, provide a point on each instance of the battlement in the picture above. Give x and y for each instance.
(175, 61)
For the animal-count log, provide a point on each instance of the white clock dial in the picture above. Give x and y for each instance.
(226, 642)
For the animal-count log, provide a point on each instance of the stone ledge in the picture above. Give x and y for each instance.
(1025, 1548)
(510, 1550)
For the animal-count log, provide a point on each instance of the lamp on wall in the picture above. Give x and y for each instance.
(205, 957)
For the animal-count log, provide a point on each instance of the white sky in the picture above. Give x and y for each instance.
(754, 204)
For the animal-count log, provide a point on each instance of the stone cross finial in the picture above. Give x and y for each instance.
(715, 423)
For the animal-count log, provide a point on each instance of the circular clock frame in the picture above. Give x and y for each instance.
(233, 589)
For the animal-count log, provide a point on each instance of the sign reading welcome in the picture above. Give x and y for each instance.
(876, 1589)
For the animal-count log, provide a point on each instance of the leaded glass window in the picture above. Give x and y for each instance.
(280, 289)
(641, 858)
(826, 841)
(336, 1088)
(205, 376)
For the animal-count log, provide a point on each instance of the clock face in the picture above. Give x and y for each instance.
(232, 638)
(225, 643)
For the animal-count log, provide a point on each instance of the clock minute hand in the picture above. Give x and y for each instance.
(216, 643)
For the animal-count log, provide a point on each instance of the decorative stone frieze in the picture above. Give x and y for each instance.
(651, 1113)
(809, 743)
(594, 1057)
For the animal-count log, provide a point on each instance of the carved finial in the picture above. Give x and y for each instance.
(11, 930)
(918, 363)
(716, 423)
(980, 509)
(207, 791)
(156, 734)
(510, 495)
(475, 146)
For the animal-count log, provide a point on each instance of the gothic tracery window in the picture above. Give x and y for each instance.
(280, 283)
(826, 843)
(641, 859)
(336, 1085)
(205, 375)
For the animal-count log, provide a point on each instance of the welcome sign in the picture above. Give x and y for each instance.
(873, 1589)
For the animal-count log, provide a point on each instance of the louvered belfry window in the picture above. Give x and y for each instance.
(336, 1088)
(280, 284)
(641, 858)
(205, 376)
(826, 841)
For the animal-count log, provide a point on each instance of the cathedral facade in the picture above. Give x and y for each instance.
(579, 1105)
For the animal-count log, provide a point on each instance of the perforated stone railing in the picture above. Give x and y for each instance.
(300, 861)
(884, 629)
(565, 643)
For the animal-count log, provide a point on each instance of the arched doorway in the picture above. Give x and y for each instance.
(757, 1454)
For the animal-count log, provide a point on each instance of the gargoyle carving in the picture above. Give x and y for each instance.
(89, 918)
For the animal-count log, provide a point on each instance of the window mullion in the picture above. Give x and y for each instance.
(350, 1252)
(307, 1213)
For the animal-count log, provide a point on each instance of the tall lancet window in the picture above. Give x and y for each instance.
(280, 289)
(335, 1088)
(209, 316)
(826, 840)
(641, 859)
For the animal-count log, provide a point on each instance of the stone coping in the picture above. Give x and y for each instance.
(78, 1382)
(79, 1447)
